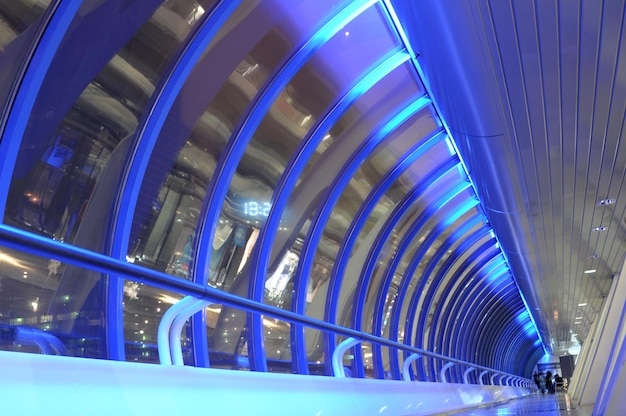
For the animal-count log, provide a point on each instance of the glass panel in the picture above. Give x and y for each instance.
(247, 51)
(202, 120)
(39, 314)
(366, 352)
(277, 345)
(144, 307)
(83, 123)
(85, 116)
(331, 155)
(18, 27)
(360, 186)
(413, 213)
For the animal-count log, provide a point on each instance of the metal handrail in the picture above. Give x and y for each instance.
(25, 241)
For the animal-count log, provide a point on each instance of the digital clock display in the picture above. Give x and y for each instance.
(256, 209)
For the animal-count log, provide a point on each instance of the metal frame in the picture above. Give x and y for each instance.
(400, 209)
(147, 135)
(146, 139)
(294, 168)
(350, 239)
(235, 148)
(405, 243)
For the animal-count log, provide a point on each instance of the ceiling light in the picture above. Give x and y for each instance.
(582, 304)
(590, 271)
(599, 228)
(607, 201)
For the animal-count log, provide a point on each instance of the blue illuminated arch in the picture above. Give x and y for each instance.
(465, 327)
(350, 239)
(464, 276)
(451, 329)
(410, 319)
(457, 236)
(288, 180)
(486, 296)
(398, 212)
(403, 247)
(491, 301)
(500, 316)
(463, 269)
(469, 241)
(235, 148)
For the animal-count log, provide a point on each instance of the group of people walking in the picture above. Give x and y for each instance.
(546, 383)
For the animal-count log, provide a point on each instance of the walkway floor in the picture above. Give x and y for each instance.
(535, 405)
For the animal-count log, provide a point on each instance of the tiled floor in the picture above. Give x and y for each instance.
(535, 405)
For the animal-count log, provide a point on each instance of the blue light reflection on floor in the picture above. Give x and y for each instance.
(538, 404)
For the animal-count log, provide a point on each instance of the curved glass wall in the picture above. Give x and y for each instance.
(280, 160)
(21, 22)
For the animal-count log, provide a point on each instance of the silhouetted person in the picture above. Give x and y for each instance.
(542, 382)
(558, 381)
(549, 384)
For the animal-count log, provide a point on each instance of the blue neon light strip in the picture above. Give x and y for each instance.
(361, 217)
(387, 277)
(367, 272)
(454, 238)
(147, 135)
(335, 189)
(30, 85)
(459, 308)
(234, 151)
(397, 25)
(293, 170)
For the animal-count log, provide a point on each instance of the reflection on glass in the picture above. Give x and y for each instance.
(248, 48)
(80, 134)
(31, 288)
(19, 21)
(81, 127)
(143, 308)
